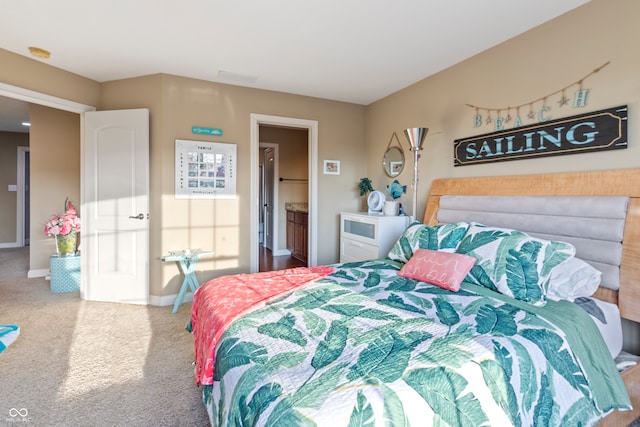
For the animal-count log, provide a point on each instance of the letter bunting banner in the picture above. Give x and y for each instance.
(596, 131)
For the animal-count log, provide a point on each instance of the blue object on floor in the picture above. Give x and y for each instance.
(8, 334)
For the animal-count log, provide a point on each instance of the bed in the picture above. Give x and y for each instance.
(439, 332)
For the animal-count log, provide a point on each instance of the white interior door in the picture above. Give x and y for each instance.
(268, 197)
(115, 206)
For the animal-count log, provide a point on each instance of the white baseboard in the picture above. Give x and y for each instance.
(9, 245)
(153, 299)
(168, 299)
(281, 252)
(43, 272)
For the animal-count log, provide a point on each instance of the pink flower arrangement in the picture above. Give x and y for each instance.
(66, 223)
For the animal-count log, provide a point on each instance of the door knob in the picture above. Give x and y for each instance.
(139, 216)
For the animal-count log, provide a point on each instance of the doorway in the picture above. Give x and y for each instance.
(32, 97)
(283, 188)
(311, 127)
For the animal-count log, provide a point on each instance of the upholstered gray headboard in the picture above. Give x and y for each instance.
(594, 225)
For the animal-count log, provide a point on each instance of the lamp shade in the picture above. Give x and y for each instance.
(416, 136)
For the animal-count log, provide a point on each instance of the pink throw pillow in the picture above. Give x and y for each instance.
(443, 269)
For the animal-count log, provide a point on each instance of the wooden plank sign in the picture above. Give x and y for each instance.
(595, 131)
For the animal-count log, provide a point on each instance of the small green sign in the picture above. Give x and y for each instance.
(206, 131)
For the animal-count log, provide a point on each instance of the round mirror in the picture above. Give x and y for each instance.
(393, 161)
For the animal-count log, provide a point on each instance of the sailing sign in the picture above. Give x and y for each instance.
(596, 131)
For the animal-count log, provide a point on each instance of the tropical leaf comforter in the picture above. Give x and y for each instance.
(365, 347)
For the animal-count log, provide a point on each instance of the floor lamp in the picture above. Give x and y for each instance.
(415, 136)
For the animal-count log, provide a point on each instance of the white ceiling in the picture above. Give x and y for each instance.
(355, 51)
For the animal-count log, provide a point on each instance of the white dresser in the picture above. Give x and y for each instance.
(364, 236)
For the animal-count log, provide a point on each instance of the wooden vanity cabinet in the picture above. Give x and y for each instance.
(297, 232)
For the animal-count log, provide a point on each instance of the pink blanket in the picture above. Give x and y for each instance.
(221, 300)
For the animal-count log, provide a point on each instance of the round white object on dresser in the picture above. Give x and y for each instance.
(375, 201)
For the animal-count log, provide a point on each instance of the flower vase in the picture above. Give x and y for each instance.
(66, 244)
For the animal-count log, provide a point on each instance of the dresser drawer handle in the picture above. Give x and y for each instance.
(356, 244)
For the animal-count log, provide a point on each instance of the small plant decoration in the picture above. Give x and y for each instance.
(365, 187)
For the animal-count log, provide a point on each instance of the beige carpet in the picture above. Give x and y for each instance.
(82, 363)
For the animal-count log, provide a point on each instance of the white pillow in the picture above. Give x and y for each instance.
(573, 279)
(606, 316)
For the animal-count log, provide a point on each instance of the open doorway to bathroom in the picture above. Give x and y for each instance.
(283, 195)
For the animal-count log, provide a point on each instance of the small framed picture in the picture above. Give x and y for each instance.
(332, 167)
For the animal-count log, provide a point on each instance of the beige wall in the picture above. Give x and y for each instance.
(177, 104)
(516, 72)
(23, 72)
(9, 143)
(293, 164)
(55, 174)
